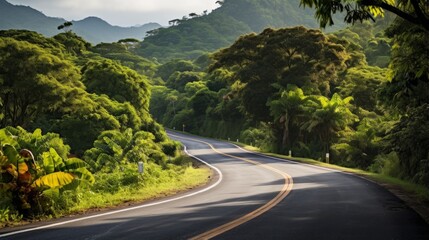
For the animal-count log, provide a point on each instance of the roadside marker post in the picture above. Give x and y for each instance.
(141, 167)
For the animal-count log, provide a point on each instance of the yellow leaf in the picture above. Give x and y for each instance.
(376, 11)
(22, 168)
(53, 180)
(3, 160)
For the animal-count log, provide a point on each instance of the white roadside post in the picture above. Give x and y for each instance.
(327, 157)
(141, 167)
(290, 153)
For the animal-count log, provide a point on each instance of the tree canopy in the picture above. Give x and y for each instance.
(276, 58)
(41, 82)
(413, 11)
(118, 82)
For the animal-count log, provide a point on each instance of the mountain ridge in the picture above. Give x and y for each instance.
(92, 29)
(189, 38)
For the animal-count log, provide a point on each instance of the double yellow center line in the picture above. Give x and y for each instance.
(286, 189)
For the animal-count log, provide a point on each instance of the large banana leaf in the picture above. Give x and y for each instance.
(52, 161)
(75, 163)
(84, 175)
(10, 152)
(5, 137)
(37, 134)
(84, 178)
(53, 180)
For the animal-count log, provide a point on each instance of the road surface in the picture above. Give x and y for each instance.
(251, 197)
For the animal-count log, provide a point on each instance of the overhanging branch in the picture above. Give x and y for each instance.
(420, 20)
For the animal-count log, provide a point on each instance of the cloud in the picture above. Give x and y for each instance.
(120, 12)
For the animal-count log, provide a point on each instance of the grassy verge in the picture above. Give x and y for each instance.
(125, 186)
(190, 179)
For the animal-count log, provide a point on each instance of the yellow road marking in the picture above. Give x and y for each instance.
(287, 188)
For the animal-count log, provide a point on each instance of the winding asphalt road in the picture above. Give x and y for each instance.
(251, 197)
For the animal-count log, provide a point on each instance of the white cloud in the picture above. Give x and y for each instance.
(120, 12)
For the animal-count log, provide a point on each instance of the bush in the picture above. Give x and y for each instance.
(170, 148)
(386, 164)
(261, 137)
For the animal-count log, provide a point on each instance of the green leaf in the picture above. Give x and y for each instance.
(53, 180)
(52, 161)
(85, 175)
(4, 136)
(10, 152)
(48, 163)
(117, 150)
(37, 133)
(75, 163)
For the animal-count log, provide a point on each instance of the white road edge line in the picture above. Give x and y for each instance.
(289, 161)
(127, 209)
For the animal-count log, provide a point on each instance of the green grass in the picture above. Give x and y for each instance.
(167, 186)
(122, 186)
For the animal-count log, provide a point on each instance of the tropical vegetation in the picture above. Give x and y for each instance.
(359, 94)
(71, 118)
(354, 96)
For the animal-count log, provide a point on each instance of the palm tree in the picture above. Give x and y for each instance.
(328, 116)
(287, 110)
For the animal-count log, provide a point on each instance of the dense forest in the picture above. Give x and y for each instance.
(72, 121)
(359, 94)
(76, 117)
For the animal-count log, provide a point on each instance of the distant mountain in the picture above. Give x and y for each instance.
(92, 29)
(193, 36)
(96, 30)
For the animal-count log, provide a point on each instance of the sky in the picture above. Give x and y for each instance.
(120, 12)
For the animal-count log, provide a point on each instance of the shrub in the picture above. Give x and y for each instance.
(387, 164)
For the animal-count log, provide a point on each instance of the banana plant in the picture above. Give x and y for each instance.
(27, 176)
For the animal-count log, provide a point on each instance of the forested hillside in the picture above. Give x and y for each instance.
(198, 33)
(359, 94)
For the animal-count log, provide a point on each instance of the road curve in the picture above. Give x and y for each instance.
(254, 197)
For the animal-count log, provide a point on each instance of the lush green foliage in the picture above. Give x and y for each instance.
(119, 83)
(99, 107)
(41, 82)
(358, 94)
(413, 11)
(122, 51)
(301, 90)
(26, 173)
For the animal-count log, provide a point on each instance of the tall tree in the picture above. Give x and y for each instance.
(329, 117)
(73, 43)
(299, 56)
(40, 82)
(118, 82)
(286, 111)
